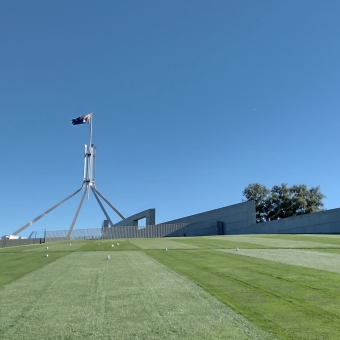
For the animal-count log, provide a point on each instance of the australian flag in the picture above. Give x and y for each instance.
(86, 119)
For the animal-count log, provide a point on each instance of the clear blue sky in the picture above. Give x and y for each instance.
(192, 101)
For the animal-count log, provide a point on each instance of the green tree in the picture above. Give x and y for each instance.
(258, 193)
(307, 201)
(279, 203)
(283, 201)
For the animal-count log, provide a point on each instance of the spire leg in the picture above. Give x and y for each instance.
(46, 212)
(100, 204)
(111, 206)
(76, 215)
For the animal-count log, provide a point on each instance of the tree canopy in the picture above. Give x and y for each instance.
(283, 201)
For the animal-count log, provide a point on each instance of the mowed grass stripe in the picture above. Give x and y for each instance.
(329, 240)
(297, 257)
(131, 296)
(293, 302)
(208, 242)
(64, 246)
(276, 242)
(162, 243)
(101, 245)
(14, 265)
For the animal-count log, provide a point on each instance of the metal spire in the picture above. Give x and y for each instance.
(88, 184)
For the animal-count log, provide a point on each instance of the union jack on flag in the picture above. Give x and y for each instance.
(86, 119)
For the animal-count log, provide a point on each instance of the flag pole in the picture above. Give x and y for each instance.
(90, 159)
(91, 130)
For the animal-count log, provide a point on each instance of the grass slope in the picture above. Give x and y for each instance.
(144, 292)
(131, 296)
(293, 302)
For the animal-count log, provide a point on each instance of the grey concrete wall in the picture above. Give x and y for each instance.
(150, 231)
(149, 214)
(198, 229)
(213, 222)
(20, 242)
(233, 217)
(323, 222)
(233, 220)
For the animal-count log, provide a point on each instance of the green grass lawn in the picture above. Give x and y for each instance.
(274, 286)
